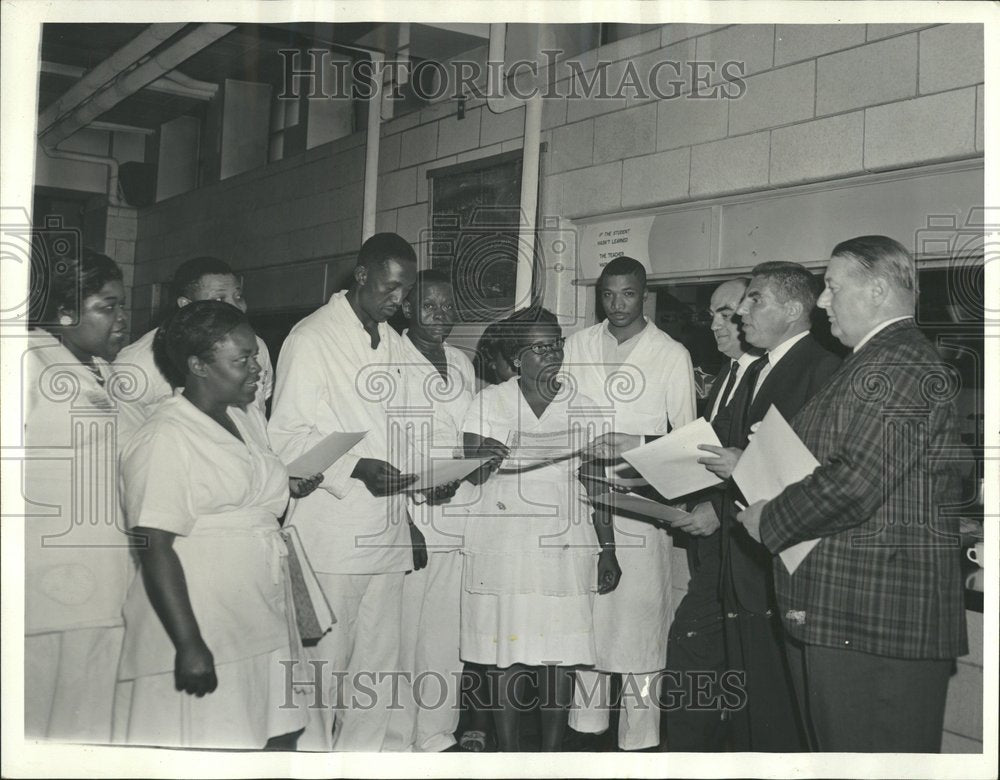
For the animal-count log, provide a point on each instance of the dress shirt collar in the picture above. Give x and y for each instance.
(781, 350)
(878, 328)
(607, 334)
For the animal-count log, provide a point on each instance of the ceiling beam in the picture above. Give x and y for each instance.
(173, 83)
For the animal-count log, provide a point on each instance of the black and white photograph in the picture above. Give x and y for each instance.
(414, 389)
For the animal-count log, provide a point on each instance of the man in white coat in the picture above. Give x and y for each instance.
(339, 369)
(439, 382)
(198, 279)
(646, 380)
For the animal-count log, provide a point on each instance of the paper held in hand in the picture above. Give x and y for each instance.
(441, 471)
(637, 505)
(529, 450)
(670, 463)
(327, 452)
(775, 459)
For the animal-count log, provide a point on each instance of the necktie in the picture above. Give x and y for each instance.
(741, 403)
(728, 388)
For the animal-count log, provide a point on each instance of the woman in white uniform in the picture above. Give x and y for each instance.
(209, 622)
(533, 559)
(76, 553)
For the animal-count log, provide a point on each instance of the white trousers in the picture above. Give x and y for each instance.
(639, 713)
(355, 663)
(430, 688)
(69, 684)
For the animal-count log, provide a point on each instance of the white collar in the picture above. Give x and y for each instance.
(776, 354)
(881, 326)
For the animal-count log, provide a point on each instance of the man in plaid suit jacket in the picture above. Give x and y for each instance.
(875, 612)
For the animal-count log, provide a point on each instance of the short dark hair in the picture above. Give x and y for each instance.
(487, 349)
(194, 329)
(623, 265)
(429, 276)
(791, 282)
(60, 282)
(882, 257)
(189, 274)
(381, 247)
(514, 329)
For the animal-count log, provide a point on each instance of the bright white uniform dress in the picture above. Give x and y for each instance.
(139, 356)
(530, 545)
(184, 473)
(431, 411)
(647, 386)
(330, 379)
(76, 556)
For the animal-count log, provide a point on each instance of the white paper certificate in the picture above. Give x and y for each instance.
(670, 463)
(327, 452)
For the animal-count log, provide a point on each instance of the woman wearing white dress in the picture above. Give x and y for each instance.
(209, 621)
(76, 553)
(535, 549)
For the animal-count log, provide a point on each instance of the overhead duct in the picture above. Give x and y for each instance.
(109, 94)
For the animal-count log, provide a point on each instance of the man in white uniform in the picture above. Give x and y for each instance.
(198, 279)
(339, 369)
(646, 379)
(439, 381)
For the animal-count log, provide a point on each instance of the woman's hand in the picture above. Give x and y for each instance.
(442, 493)
(194, 669)
(381, 478)
(419, 548)
(301, 487)
(608, 570)
(610, 446)
(478, 447)
(723, 463)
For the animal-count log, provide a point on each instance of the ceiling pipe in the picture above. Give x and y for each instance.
(110, 162)
(499, 101)
(129, 54)
(173, 83)
(129, 83)
(373, 139)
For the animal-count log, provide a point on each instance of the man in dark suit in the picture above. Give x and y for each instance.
(875, 610)
(775, 312)
(696, 643)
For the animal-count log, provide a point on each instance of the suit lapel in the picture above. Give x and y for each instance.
(779, 377)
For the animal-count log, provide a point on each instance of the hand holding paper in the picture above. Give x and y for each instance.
(774, 459)
(441, 471)
(670, 463)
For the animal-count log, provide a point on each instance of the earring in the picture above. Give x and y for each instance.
(517, 363)
(65, 320)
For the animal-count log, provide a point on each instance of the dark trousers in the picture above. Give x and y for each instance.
(862, 703)
(770, 720)
(693, 713)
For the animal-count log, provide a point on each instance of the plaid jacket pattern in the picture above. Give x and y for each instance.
(884, 578)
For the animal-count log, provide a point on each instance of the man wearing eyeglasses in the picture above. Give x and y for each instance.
(645, 379)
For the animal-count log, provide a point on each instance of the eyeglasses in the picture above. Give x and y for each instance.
(551, 346)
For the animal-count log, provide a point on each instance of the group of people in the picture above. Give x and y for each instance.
(163, 607)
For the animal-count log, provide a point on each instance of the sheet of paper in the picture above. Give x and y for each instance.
(532, 450)
(637, 505)
(441, 471)
(775, 459)
(670, 463)
(327, 452)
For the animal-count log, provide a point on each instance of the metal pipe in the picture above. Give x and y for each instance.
(372, 142)
(110, 162)
(132, 81)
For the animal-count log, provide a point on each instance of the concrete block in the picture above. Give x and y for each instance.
(686, 121)
(479, 154)
(512, 144)
(400, 123)
(669, 33)
(388, 153)
(625, 134)
(936, 127)
(437, 111)
(554, 112)
(422, 188)
(750, 44)
(656, 178)
(572, 146)
(879, 31)
(795, 42)
(350, 165)
(627, 48)
(120, 227)
(385, 221)
(731, 165)
(124, 252)
(501, 127)
(816, 150)
(980, 117)
(594, 190)
(663, 74)
(457, 135)
(867, 75)
(419, 144)
(592, 92)
(411, 221)
(397, 189)
(963, 712)
(778, 97)
(951, 56)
